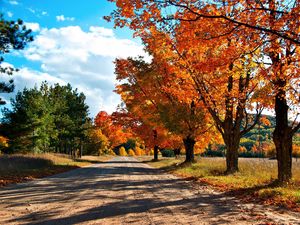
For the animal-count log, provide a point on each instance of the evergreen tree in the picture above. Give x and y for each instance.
(13, 36)
(51, 118)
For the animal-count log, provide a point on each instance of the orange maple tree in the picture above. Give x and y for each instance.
(148, 83)
(115, 133)
(228, 34)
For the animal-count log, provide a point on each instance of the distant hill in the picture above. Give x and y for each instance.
(256, 143)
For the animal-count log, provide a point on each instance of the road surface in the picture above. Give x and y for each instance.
(125, 191)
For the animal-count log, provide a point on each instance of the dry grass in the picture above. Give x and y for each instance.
(19, 168)
(255, 178)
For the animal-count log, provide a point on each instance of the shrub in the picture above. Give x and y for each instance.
(167, 153)
(122, 152)
(151, 152)
(131, 152)
(138, 151)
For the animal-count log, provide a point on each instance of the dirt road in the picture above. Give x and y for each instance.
(124, 191)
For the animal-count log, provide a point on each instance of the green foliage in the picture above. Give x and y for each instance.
(51, 118)
(215, 151)
(130, 144)
(167, 153)
(13, 36)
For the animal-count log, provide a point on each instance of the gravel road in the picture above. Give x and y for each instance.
(125, 191)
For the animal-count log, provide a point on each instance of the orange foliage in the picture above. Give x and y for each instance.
(232, 56)
(3, 142)
(296, 151)
(115, 133)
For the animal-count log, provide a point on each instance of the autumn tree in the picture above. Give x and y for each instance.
(115, 133)
(148, 84)
(153, 135)
(225, 87)
(270, 27)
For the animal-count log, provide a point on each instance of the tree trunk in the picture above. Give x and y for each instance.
(189, 144)
(283, 139)
(155, 153)
(232, 142)
(81, 149)
(65, 148)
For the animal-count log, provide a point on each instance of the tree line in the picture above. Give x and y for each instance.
(51, 118)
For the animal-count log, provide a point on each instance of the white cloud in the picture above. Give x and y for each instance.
(10, 14)
(44, 13)
(31, 10)
(63, 18)
(33, 26)
(102, 31)
(83, 59)
(13, 2)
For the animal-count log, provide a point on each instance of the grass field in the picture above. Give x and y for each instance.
(20, 168)
(255, 178)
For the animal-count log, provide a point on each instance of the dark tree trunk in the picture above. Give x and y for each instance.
(81, 149)
(65, 148)
(232, 142)
(155, 153)
(189, 144)
(282, 138)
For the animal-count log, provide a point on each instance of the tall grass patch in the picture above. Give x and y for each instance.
(19, 168)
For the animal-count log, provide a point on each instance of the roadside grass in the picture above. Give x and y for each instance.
(255, 179)
(20, 168)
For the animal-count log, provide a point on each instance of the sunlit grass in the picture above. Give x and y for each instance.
(17, 168)
(255, 177)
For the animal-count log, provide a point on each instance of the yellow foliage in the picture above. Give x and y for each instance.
(106, 151)
(199, 147)
(100, 141)
(3, 142)
(138, 151)
(131, 152)
(122, 152)
(151, 152)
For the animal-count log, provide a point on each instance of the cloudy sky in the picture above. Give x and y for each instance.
(72, 44)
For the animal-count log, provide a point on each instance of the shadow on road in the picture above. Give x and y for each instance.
(115, 189)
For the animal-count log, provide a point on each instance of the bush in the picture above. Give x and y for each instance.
(151, 152)
(138, 151)
(167, 153)
(213, 153)
(131, 152)
(122, 152)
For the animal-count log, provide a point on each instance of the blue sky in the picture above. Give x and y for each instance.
(72, 44)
